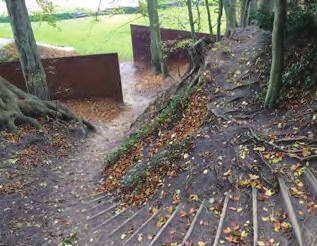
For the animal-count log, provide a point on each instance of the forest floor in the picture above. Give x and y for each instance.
(42, 173)
(216, 168)
(220, 169)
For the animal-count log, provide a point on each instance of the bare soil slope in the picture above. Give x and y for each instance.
(219, 169)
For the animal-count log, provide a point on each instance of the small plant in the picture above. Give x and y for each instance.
(300, 71)
(299, 19)
(264, 19)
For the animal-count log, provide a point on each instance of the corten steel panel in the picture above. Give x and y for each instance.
(141, 42)
(75, 77)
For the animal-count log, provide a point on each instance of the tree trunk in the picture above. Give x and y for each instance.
(244, 9)
(252, 10)
(230, 10)
(31, 65)
(275, 82)
(157, 59)
(209, 18)
(198, 16)
(191, 19)
(98, 10)
(219, 20)
(17, 106)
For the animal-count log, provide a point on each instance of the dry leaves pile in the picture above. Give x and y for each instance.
(190, 121)
(37, 146)
(99, 110)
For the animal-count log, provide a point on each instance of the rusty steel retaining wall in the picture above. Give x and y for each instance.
(141, 41)
(75, 77)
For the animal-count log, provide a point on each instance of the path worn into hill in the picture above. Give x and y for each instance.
(244, 175)
(248, 178)
(38, 201)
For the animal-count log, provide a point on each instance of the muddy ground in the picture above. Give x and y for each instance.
(218, 169)
(238, 153)
(42, 173)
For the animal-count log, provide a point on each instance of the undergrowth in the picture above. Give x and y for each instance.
(168, 114)
(299, 20)
(167, 157)
(299, 77)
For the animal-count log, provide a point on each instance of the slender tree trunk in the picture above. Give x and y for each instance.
(230, 10)
(98, 10)
(191, 19)
(219, 20)
(198, 16)
(275, 82)
(209, 18)
(32, 68)
(157, 59)
(252, 10)
(244, 9)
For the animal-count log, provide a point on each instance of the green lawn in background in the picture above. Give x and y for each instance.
(109, 34)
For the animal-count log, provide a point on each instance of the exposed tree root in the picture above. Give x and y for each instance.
(289, 153)
(17, 106)
(242, 85)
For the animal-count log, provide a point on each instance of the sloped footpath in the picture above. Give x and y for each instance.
(219, 170)
(45, 176)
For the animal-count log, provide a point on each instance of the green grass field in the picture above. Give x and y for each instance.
(109, 34)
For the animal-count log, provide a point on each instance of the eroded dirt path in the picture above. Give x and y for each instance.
(245, 178)
(43, 210)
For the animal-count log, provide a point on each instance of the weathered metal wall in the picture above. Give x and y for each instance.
(75, 77)
(141, 42)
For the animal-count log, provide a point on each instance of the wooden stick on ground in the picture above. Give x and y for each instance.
(141, 227)
(291, 212)
(158, 235)
(222, 219)
(192, 225)
(255, 216)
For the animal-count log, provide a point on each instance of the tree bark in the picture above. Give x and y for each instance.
(209, 18)
(275, 82)
(191, 19)
(244, 9)
(252, 9)
(219, 20)
(198, 16)
(230, 10)
(157, 59)
(31, 65)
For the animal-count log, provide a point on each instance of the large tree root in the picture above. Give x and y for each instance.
(286, 151)
(17, 106)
